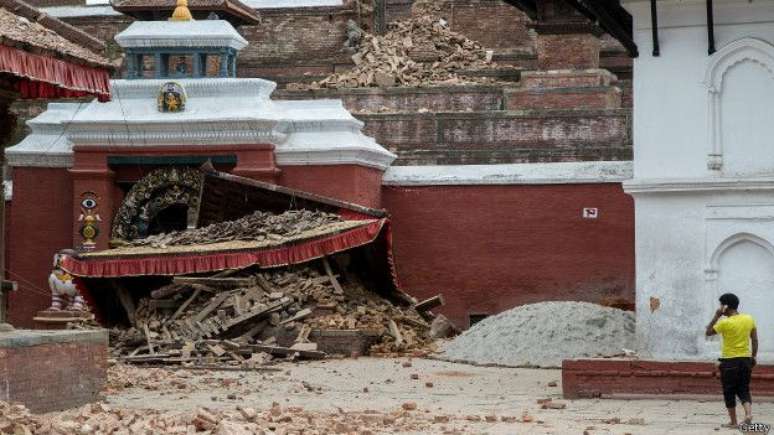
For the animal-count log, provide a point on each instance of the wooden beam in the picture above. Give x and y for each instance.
(654, 25)
(126, 301)
(185, 305)
(710, 28)
(331, 276)
(213, 281)
(430, 303)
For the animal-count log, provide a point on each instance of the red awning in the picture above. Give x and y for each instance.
(201, 261)
(47, 77)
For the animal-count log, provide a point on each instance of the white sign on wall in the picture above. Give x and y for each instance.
(590, 213)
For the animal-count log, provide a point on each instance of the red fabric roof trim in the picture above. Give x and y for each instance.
(47, 77)
(161, 264)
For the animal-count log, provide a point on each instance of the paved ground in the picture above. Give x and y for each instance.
(457, 390)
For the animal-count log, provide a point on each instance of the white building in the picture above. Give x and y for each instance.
(703, 171)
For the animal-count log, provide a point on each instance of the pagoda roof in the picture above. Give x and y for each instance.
(236, 12)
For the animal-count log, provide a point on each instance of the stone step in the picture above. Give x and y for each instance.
(468, 156)
(407, 100)
(578, 98)
(503, 136)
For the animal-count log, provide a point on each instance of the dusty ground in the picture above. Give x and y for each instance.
(458, 391)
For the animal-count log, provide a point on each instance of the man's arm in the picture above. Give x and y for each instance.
(710, 331)
(754, 339)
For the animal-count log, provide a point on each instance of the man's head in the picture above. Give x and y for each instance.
(730, 300)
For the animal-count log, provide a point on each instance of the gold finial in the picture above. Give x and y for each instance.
(181, 12)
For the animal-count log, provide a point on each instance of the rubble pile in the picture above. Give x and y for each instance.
(544, 334)
(258, 226)
(417, 51)
(16, 419)
(241, 420)
(244, 318)
(124, 376)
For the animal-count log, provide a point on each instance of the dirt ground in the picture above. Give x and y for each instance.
(441, 390)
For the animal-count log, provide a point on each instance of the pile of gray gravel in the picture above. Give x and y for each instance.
(543, 334)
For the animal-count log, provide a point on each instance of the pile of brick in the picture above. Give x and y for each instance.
(242, 420)
(16, 419)
(247, 318)
(416, 52)
(258, 226)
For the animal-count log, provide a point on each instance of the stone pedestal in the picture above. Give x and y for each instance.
(49, 319)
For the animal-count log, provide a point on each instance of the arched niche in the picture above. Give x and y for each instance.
(740, 86)
(157, 202)
(743, 264)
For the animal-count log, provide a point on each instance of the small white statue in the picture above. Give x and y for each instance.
(64, 295)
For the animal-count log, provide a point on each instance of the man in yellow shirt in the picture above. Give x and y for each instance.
(737, 358)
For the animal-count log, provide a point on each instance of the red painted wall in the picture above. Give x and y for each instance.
(486, 248)
(356, 184)
(40, 224)
(490, 248)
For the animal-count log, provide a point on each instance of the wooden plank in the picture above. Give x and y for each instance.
(264, 284)
(298, 316)
(126, 301)
(257, 313)
(283, 351)
(164, 304)
(224, 282)
(185, 305)
(430, 303)
(167, 291)
(255, 330)
(395, 332)
(148, 338)
(336, 286)
(413, 322)
(211, 306)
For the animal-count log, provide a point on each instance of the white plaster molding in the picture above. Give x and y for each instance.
(667, 185)
(219, 112)
(509, 174)
(732, 54)
(194, 33)
(8, 190)
(713, 261)
(48, 146)
(211, 133)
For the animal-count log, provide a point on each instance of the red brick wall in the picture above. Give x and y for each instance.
(486, 21)
(490, 248)
(40, 224)
(606, 377)
(291, 42)
(53, 376)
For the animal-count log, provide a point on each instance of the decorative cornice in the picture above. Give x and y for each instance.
(326, 157)
(194, 132)
(677, 185)
(39, 160)
(194, 88)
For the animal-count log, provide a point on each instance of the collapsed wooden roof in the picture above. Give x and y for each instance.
(24, 27)
(233, 11)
